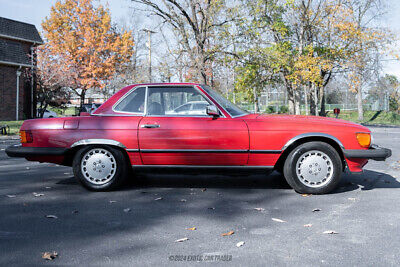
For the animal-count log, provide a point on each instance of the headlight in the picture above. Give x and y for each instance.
(364, 139)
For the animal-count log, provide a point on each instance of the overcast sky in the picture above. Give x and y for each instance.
(34, 11)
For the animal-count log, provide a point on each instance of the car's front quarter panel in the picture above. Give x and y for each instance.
(273, 134)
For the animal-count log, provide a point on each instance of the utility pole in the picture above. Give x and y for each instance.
(149, 32)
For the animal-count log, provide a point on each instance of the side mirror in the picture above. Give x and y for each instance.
(212, 111)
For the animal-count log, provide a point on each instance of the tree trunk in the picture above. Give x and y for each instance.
(305, 99)
(322, 111)
(297, 101)
(359, 104)
(255, 100)
(291, 103)
(82, 96)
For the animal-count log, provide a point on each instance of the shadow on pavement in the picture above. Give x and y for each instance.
(367, 181)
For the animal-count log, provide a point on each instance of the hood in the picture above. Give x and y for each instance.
(311, 120)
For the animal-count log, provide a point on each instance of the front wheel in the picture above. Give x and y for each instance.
(100, 168)
(313, 168)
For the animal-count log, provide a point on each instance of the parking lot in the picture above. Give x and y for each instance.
(141, 223)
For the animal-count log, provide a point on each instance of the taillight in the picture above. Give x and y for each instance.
(26, 136)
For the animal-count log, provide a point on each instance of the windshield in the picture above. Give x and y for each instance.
(231, 108)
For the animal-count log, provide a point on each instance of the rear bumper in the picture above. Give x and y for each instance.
(23, 152)
(374, 152)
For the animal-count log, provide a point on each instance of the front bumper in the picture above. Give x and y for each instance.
(23, 152)
(374, 152)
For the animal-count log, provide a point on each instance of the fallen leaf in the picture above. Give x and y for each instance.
(127, 210)
(352, 198)
(112, 201)
(11, 196)
(315, 210)
(159, 198)
(51, 216)
(37, 194)
(330, 232)
(239, 244)
(182, 239)
(183, 200)
(228, 233)
(49, 255)
(192, 229)
(305, 195)
(278, 220)
(204, 189)
(259, 209)
(75, 211)
(307, 225)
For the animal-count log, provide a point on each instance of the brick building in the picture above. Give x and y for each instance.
(17, 40)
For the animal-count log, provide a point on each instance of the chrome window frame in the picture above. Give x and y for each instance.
(119, 112)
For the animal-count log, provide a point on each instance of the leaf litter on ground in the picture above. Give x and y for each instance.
(278, 220)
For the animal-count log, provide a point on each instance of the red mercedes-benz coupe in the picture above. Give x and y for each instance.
(190, 125)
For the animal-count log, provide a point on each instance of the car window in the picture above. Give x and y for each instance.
(134, 102)
(231, 108)
(174, 101)
(182, 108)
(198, 106)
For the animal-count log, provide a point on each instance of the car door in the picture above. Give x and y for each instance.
(190, 139)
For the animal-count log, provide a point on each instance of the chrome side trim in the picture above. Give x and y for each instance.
(265, 151)
(194, 151)
(210, 151)
(304, 135)
(98, 142)
(204, 166)
(132, 150)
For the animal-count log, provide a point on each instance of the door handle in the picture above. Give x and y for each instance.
(150, 126)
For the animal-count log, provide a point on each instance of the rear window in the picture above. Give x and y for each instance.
(134, 102)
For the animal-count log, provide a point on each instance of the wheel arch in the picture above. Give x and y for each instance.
(75, 147)
(310, 137)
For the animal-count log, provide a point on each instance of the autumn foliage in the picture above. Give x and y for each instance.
(84, 44)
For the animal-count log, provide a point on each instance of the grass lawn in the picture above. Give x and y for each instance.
(370, 117)
(14, 126)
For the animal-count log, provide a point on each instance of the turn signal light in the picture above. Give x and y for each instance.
(26, 136)
(364, 139)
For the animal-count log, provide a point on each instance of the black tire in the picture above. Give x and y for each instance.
(119, 173)
(299, 182)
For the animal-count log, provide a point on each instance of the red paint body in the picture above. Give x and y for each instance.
(249, 133)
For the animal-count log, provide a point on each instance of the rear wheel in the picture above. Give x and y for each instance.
(313, 168)
(100, 168)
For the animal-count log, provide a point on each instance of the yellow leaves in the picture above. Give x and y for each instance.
(81, 35)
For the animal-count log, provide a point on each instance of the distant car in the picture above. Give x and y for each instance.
(134, 129)
(47, 113)
(190, 108)
(89, 108)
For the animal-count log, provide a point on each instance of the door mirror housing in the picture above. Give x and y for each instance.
(212, 111)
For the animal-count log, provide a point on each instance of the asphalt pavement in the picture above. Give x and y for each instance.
(358, 224)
